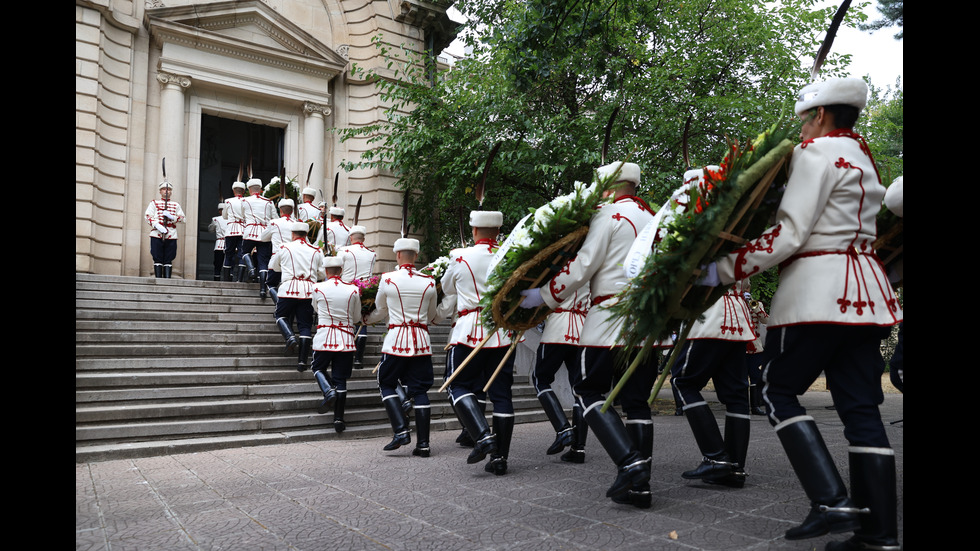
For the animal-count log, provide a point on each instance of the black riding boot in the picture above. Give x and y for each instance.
(873, 486)
(422, 419)
(556, 414)
(305, 346)
(715, 462)
(639, 494)
(475, 422)
(503, 428)
(338, 411)
(399, 424)
(158, 270)
(250, 274)
(167, 270)
(581, 430)
(287, 333)
(403, 398)
(737, 445)
(633, 469)
(360, 343)
(263, 288)
(226, 273)
(329, 394)
(831, 510)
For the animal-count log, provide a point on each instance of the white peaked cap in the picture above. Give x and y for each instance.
(406, 244)
(486, 219)
(834, 91)
(333, 262)
(630, 172)
(894, 196)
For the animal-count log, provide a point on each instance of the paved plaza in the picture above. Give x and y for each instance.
(348, 494)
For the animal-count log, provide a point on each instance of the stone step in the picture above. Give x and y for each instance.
(165, 365)
(323, 432)
(302, 399)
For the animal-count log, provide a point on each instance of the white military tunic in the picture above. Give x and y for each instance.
(408, 299)
(278, 232)
(728, 319)
(234, 213)
(358, 261)
(307, 211)
(564, 325)
(824, 229)
(465, 282)
(338, 308)
(301, 265)
(154, 215)
(258, 212)
(600, 262)
(337, 234)
(219, 226)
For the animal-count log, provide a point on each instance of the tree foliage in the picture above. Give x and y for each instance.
(544, 77)
(882, 125)
(894, 14)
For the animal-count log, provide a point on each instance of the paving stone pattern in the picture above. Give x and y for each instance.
(348, 494)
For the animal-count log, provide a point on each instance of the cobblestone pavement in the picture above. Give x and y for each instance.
(350, 495)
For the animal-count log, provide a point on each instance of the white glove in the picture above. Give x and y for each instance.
(532, 298)
(169, 216)
(709, 276)
(159, 228)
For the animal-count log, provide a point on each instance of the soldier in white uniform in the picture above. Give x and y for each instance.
(559, 346)
(338, 308)
(278, 233)
(301, 265)
(234, 214)
(336, 234)
(408, 299)
(358, 259)
(463, 285)
(307, 210)
(599, 262)
(832, 308)
(162, 215)
(258, 212)
(716, 350)
(358, 264)
(219, 226)
(895, 202)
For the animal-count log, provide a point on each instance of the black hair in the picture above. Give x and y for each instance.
(845, 116)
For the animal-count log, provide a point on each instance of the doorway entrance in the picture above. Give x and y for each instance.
(228, 146)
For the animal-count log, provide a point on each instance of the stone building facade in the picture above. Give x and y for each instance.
(212, 85)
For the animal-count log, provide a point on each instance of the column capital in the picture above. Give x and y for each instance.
(310, 108)
(172, 79)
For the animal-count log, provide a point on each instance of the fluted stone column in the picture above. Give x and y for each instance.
(171, 146)
(313, 141)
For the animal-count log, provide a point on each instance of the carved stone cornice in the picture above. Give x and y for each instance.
(431, 17)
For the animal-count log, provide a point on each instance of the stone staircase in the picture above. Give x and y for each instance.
(172, 366)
